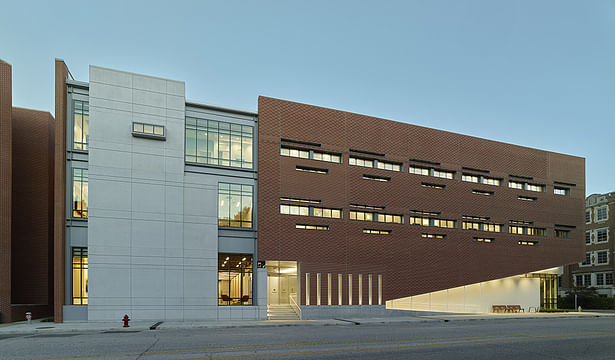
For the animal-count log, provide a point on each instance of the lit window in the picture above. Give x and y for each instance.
(148, 130)
(443, 174)
(81, 125)
(483, 239)
(473, 225)
(219, 143)
(234, 279)
(482, 192)
(527, 230)
(360, 162)
(310, 154)
(386, 165)
(490, 181)
(603, 257)
(80, 276)
(515, 185)
(601, 214)
(526, 198)
(418, 170)
(433, 236)
(376, 231)
(433, 186)
(301, 210)
(311, 169)
(328, 157)
(469, 178)
(426, 221)
(374, 216)
(80, 193)
(527, 242)
(535, 187)
(376, 178)
(235, 205)
(602, 235)
(564, 234)
(561, 191)
(311, 227)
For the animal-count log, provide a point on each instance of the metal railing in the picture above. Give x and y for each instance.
(293, 304)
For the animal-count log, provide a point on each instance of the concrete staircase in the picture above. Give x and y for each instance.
(281, 312)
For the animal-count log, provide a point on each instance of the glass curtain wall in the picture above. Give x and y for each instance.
(234, 279)
(81, 125)
(234, 205)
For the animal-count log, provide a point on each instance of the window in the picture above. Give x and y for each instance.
(81, 126)
(427, 221)
(433, 186)
(148, 130)
(490, 181)
(312, 169)
(469, 178)
(588, 259)
(378, 164)
(587, 279)
(601, 214)
(482, 192)
(603, 257)
(386, 165)
(579, 280)
(561, 191)
(527, 242)
(599, 279)
(80, 193)
(370, 207)
(235, 205)
(376, 178)
(219, 143)
(360, 162)
(602, 235)
(80, 276)
(300, 200)
(311, 227)
(527, 230)
(310, 154)
(535, 187)
(608, 279)
(302, 210)
(564, 234)
(526, 198)
(588, 237)
(474, 225)
(443, 174)
(376, 231)
(433, 236)
(515, 184)
(375, 216)
(418, 170)
(483, 239)
(234, 279)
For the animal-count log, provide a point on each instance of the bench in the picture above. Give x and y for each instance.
(514, 308)
(499, 308)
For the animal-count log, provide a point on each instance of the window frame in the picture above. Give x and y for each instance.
(82, 268)
(230, 191)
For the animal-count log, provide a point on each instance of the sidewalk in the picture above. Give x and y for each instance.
(37, 327)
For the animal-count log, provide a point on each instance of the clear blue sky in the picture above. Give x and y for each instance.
(533, 73)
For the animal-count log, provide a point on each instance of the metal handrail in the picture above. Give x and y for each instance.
(296, 308)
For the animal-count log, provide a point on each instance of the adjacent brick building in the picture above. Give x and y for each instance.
(26, 181)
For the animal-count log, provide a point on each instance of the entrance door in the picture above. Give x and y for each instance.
(281, 281)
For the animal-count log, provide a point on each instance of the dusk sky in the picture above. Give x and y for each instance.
(532, 73)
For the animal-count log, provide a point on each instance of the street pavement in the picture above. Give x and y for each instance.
(427, 336)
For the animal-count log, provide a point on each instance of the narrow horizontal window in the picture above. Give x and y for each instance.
(483, 239)
(427, 213)
(473, 217)
(490, 181)
(521, 222)
(535, 187)
(564, 234)
(355, 161)
(375, 216)
(479, 226)
(561, 191)
(433, 186)
(309, 201)
(428, 221)
(433, 236)
(369, 207)
(148, 130)
(527, 242)
(376, 178)
(482, 192)
(311, 227)
(470, 178)
(302, 210)
(387, 165)
(515, 185)
(444, 174)
(312, 169)
(418, 170)
(527, 230)
(310, 154)
(526, 198)
(374, 163)
(376, 231)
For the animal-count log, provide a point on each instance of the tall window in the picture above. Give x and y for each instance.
(219, 143)
(602, 214)
(81, 124)
(80, 276)
(80, 193)
(234, 279)
(235, 205)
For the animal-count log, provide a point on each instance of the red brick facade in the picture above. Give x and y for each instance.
(409, 263)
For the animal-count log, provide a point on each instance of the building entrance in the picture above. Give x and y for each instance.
(281, 282)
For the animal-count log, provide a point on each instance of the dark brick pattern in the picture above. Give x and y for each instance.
(409, 264)
(6, 104)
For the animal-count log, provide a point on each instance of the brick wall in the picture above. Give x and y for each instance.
(6, 104)
(409, 264)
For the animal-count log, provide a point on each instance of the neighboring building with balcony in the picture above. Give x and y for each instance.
(596, 269)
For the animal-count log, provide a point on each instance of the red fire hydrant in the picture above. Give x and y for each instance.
(126, 319)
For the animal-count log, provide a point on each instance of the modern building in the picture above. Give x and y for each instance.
(596, 268)
(26, 210)
(168, 208)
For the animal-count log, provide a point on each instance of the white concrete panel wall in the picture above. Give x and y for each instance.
(152, 236)
(475, 298)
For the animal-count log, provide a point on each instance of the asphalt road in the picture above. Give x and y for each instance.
(578, 338)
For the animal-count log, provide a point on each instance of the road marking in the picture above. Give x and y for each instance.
(527, 336)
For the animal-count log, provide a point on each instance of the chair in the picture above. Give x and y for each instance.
(245, 298)
(225, 298)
